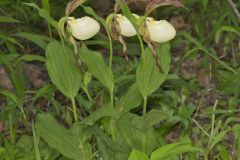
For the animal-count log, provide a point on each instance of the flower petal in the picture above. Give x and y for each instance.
(83, 28)
(161, 31)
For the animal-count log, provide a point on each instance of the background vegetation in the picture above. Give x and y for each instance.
(193, 115)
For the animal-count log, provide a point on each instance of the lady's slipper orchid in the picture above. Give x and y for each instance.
(83, 28)
(160, 31)
(126, 27)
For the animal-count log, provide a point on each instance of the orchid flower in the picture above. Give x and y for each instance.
(126, 27)
(160, 31)
(83, 28)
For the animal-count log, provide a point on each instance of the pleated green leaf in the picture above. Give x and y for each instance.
(58, 137)
(137, 155)
(171, 151)
(106, 110)
(98, 67)
(62, 69)
(130, 100)
(148, 76)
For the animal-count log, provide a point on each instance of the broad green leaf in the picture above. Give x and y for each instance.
(172, 150)
(137, 155)
(84, 135)
(137, 132)
(130, 129)
(25, 148)
(58, 137)
(103, 145)
(39, 40)
(148, 76)
(46, 152)
(109, 150)
(130, 100)
(97, 67)
(62, 68)
(154, 117)
(5, 19)
(104, 111)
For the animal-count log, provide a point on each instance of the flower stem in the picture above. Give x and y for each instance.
(110, 49)
(141, 44)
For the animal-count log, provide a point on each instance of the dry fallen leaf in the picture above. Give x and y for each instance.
(203, 78)
(72, 5)
(153, 4)
(5, 81)
(179, 23)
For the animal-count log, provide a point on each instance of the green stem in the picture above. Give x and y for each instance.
(141, 44)
(144, 105)
(50, 31)
(88, 95)
(110, 49)
(74, 110)
(112, 121)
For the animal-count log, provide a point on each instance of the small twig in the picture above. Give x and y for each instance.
(200, 127)
(234, 7)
